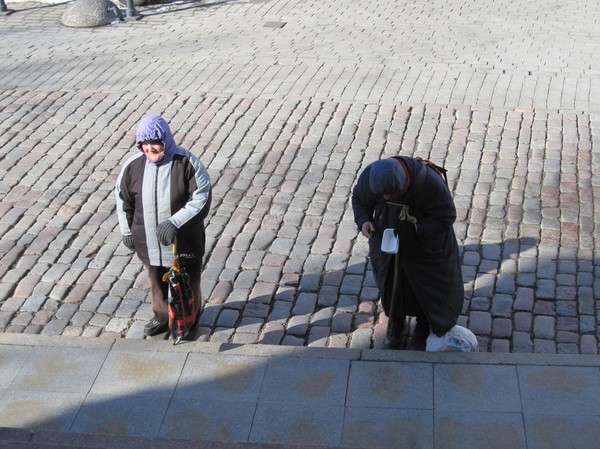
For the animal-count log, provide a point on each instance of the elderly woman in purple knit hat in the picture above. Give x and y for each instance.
(422, 276)
(163, 193)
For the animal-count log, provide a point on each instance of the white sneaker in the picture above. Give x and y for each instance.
(457, 339)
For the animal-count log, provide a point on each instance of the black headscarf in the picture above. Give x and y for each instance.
(387, 177)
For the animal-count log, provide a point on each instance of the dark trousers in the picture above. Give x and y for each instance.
(159, 289)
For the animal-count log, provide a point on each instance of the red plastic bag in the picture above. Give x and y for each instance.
(181, 302)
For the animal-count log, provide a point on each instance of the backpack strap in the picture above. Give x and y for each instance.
(420, 178)
(439, 170)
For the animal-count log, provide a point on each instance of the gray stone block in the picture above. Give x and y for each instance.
(91, 13)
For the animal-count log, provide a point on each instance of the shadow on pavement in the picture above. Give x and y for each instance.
(158, 8)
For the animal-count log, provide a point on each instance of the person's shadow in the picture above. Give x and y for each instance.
(324, 299)
(489, 270)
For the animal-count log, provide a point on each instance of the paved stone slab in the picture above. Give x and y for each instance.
(294, 380)
(309, 397)
(13, 358)
(388, 428)
(40, 409)
(143, 374)
(479, 430)
(549, 430)
(46, 370)
(541, 393)
(462, 388)
(121, 415)
(301, 424)
(208, 419)
(223, 378)
(390, 385)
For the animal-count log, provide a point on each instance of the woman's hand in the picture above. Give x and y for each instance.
(368, 229)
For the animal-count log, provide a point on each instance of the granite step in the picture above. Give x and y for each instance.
(14, 438)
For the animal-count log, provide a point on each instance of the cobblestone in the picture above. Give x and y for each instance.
(99, 320)
(361, 338)
(318, 336)
(547, 347)
(298, 325)
(543, 327)
(502, 306)
(228, 318)
(127, 308)
(54, 327)
(480, 322)
(66, 311)
(22, 319)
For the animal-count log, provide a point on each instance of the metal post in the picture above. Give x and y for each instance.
(4, 10)
(131, 13)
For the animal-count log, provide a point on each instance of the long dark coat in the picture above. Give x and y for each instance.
(424, 278)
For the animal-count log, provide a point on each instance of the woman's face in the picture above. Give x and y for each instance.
(153, 150)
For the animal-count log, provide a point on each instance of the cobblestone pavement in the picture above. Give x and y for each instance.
(285, 102)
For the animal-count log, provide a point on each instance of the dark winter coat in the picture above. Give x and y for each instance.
(428, 277)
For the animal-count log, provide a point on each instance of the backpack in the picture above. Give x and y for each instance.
(439, 170)
(420, 178)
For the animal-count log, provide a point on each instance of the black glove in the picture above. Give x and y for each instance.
(128, 241)
(166, 232)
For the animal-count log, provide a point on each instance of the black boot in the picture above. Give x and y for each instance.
(395, 334)
(155, 327)
(421, 332)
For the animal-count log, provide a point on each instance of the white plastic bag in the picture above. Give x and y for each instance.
(457, 339)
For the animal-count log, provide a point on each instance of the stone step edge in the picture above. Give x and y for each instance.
(24, 438)
(263, 350)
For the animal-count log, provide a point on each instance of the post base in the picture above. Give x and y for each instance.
(131, 17)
